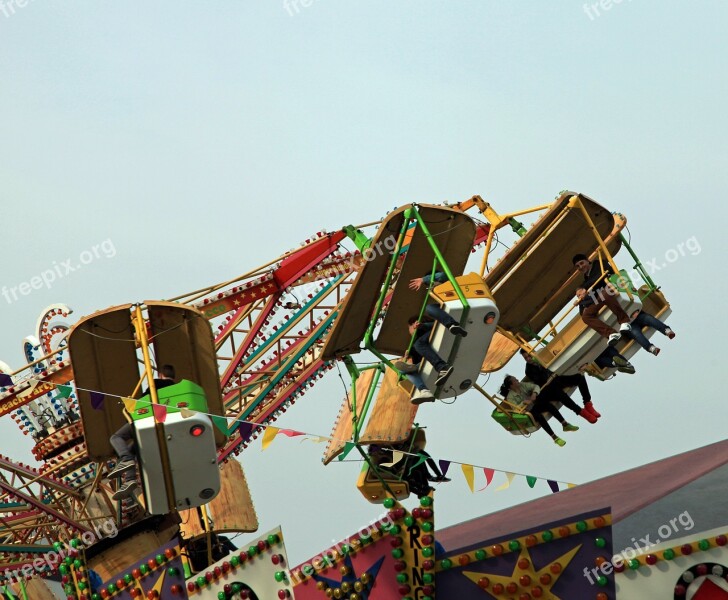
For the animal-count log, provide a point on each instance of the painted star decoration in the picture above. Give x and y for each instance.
(351, 584)
(524, 578)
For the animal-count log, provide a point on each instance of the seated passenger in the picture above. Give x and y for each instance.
(540, 375)
(123, 441)
(421, 348)
(537, 403)
(601, 294)
(644, 319)
(411, 370)
(411, 469)
(433, 310)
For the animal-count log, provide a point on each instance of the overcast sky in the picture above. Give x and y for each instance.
(202, 139)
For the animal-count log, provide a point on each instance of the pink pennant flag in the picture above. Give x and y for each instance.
(488, 477)
(291, 432)
(160, 412)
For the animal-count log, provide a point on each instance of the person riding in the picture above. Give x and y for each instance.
(530, 395)
(421, 347)
(596, 292)
(124, 445)
(645, 319)
(540, 375)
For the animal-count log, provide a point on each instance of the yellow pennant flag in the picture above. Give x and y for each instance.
(570, 485)
(186, 413)
(507, 484)
(315, 440)
(469, 476)
(270, 433)
(129, 404)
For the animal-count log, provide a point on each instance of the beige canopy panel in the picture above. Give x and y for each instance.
(500, 351)
(182, 337)
(103, 353)
(453, 232)
(536, 278)
(356, 310)
(232, 510)
(103, 350)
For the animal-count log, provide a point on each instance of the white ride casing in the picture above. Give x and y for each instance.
(192, 462)
(471, 351)
(589, 344)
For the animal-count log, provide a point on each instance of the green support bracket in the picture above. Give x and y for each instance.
(518, 228)
(639, 267)
(357, 236)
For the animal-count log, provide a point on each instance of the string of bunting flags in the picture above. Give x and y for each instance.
(247, 428)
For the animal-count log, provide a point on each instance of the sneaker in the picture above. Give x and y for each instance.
(455, 329)
(559, 442)
(122, 468)
(654, 350)
(620, 361)
(626, 368)
(589, 406)
(625, 327)
(614, 338)
(585, 414)
(570, 427)
(405, 367)
(439, 479)
(669, 333)
(443, 375)
(128, 489)
(421, 396)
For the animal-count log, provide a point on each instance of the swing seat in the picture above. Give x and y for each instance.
(578, 344)
(514, 421)
(372, 489)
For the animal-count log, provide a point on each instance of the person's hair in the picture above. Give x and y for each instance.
(506, 385)
(524, 352)
(578, 257)
(412, 320)
(168, 371)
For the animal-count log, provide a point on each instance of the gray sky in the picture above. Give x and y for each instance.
(204, 139)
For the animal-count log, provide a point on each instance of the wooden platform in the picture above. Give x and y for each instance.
(500, 351)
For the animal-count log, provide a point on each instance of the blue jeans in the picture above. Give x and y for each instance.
(417, 380)
(123, 444)
(422, 349)
(435, 312)
(645, 320)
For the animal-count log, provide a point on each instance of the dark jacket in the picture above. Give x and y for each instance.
(538, 374)
(595, 277)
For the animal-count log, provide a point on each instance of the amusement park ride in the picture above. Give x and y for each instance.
(245, 351)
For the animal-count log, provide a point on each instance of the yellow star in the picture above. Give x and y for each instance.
(525, 579)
